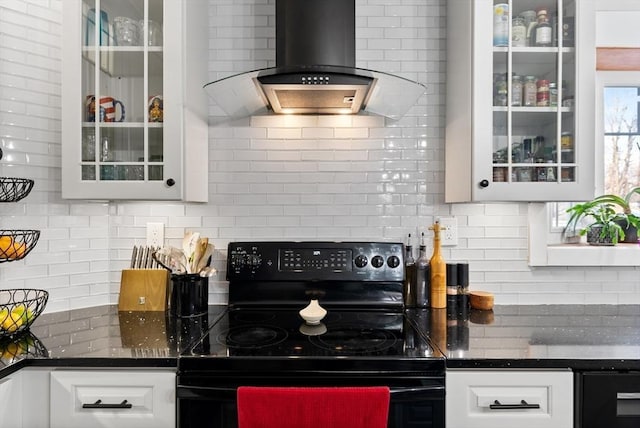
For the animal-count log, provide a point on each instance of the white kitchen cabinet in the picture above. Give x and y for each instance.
(498, 148)
(509, 398)
(113, 398)
(134, 113)
(24, 398)
(11, 399)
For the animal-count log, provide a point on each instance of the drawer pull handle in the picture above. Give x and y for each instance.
(100, 405)
(523, 405)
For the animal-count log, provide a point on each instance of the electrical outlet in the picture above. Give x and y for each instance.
(155, 234)
(449, 236)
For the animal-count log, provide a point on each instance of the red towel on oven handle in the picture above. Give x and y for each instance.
(313, 407)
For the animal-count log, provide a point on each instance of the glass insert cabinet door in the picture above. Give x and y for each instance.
(122, 91)
(534, 85)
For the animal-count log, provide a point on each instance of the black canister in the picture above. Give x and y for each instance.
(189, 295)
(452, 289)
(463, 289)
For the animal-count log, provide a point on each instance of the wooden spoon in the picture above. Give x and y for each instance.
(198, 253)
(204, 261)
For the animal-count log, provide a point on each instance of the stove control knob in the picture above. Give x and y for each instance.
(361, 261)
(377, 261)
(393, 262)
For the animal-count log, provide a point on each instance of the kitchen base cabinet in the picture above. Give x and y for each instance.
(11, 399)
(35, 396)
(113, 398)
(509, 398)
(24, 399)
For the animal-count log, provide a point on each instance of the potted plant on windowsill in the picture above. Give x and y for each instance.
(604, 229)
(621, 215)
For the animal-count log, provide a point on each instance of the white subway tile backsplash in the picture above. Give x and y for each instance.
(270, 177)
(284, 133)
(313, 133)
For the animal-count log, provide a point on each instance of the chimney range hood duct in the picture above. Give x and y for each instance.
(315, 70)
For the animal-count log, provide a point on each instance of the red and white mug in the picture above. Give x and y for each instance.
(107, 109)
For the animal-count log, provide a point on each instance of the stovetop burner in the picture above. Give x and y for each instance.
(252, 336)
(354, 340)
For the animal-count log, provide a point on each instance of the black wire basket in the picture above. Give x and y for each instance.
(19, 307)
(16, 244)
(14, 189)
(19, 347)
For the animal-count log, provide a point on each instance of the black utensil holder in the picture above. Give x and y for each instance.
(189, 295)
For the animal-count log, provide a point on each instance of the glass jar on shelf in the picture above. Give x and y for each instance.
(529, 18)
(553, 94)
(500, 90)
(542, 93)
(543, 31)
(516, 91)
(530, 91)
(518, 33)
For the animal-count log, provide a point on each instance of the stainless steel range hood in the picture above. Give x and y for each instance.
(315, 70)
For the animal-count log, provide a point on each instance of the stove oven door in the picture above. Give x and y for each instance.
(415, 403)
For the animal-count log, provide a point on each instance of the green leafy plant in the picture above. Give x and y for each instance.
(605, 227)
(624, 216)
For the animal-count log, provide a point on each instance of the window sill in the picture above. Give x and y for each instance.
(589, 255)
(542, 253)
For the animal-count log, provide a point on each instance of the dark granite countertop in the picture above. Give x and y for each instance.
(580, 337)
(103, 337)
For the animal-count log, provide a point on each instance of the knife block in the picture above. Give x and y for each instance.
(143, 290)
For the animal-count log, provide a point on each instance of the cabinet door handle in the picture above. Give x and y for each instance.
(484, 183)
(522, 405)
(100, 405)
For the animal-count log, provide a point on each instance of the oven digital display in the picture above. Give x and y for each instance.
(313, 260)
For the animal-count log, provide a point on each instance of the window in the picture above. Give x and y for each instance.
(621, 147)
(617, 171)
(621, 139)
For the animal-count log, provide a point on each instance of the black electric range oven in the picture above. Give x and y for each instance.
(365, 339)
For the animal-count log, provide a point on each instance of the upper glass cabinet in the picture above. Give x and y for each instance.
(533, 92)
(525, 134)
(123, 125)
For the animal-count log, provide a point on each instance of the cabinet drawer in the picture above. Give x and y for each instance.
(526, 399)
(82, 398)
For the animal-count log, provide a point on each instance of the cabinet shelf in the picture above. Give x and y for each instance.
(122, 124)
(125, 61)
(533, 109)
(533, 50)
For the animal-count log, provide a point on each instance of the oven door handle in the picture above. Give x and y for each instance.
(211, 392)
(411, 393)
(205, 392)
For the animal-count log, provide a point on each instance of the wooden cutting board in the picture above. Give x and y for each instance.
(143, 290)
